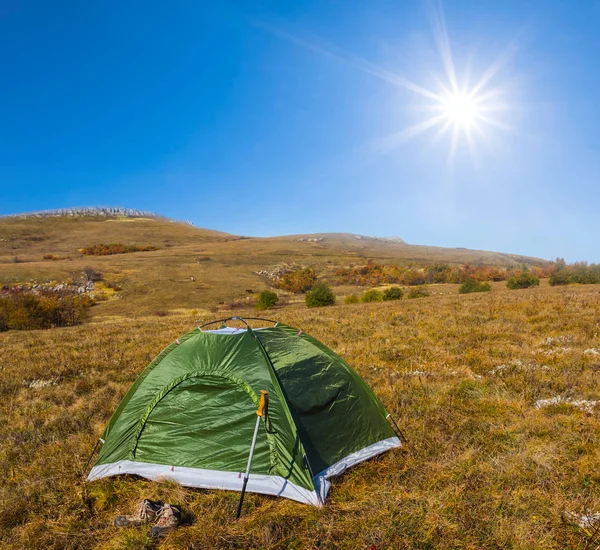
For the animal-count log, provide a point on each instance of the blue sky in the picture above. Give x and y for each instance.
(264, 118)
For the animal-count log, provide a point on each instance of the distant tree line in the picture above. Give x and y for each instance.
(471, 279)
(578, 272)
(26, 310)
(374, 274)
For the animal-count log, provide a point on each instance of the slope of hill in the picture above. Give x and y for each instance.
(191, 267)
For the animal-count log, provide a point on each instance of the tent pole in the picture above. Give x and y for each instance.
(100, 440)
(399, 431)
(259, 413)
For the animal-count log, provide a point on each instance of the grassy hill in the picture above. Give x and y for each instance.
(498, 394)
(192, 267)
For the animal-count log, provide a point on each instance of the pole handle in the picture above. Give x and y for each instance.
(264, 401)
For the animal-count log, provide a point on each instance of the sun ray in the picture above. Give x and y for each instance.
(453, 106)
(441, 131)
(486, 97)
(444, 90)
(440, 33)
(475, 126)
(352, 60)
(500, 61)
(494, 122)
(454, 144)
(390, 142)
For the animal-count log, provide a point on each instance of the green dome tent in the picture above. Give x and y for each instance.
(191, 414)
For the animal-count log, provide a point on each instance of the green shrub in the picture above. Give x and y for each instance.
(266, 300)
(27, 311)
(352, 299)
(393, 293)
(522, 280)
(372, 295)
(578, 272)
(561, 277)
(418, 292)
(114, 248)
(471, 285)
(320, 295)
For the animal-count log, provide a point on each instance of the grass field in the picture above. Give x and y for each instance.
(484, 467)
(192, 267)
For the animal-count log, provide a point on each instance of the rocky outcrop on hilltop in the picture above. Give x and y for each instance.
(396, 240)
(106, 211)
(310, 239)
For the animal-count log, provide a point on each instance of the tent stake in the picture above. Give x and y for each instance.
(259, 413)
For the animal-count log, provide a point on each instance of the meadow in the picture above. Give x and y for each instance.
(484, 466)
(194, 267)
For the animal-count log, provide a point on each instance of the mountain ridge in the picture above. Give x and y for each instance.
(174, 264)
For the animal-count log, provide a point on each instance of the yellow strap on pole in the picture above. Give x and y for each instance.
(263, 402)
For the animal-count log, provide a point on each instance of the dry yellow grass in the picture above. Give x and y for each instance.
(223, 266)
(484, 468)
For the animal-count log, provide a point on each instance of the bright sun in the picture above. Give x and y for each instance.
(465, 107)
(460, 109)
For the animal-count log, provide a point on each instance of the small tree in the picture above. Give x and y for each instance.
(562, 276)
(352, 299)
(372, 295)
(266, 300)
(320, 295)
(393, 293)
(522, 280)
(418, 292)
(471, 285)
(299, 280)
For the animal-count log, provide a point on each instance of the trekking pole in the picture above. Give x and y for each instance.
(262, 406)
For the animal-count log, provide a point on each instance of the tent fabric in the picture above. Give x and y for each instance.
(190, 415)
(209, 479)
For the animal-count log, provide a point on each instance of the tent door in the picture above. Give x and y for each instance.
(203, 421)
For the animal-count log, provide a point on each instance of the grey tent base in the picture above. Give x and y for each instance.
(232, 481)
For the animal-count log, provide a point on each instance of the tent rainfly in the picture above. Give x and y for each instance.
(191, 415)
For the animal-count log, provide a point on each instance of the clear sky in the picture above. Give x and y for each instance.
(278, 117)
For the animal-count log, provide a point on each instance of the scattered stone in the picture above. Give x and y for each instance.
(553, 351)
(418, 373)
(581, 404)
(555, 340)
(516, 365)
(395, 240)
(276, 273)
(40, 383)
(585, 521)
(45, 288)
(591, 351)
